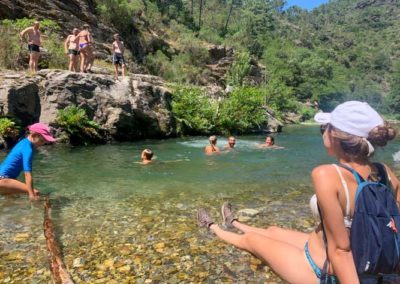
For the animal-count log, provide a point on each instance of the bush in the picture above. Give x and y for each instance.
(243, 111)
(239, 69)
(193, 112)
(79, 128)
(9, 132)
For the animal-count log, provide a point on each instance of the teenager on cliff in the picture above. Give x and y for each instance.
(71, 46)
(20, 159)
(350, 134)
(118, 59)
(34, 43)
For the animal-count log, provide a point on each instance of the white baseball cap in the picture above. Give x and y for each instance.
(354, 117)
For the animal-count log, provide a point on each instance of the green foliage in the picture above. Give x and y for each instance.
(7, 127)
(239, 69)
(392, 101)
(81, 130)
(242, 111)
(193, 112)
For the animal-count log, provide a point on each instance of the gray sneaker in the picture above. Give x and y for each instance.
(203, 219)
(227, 215)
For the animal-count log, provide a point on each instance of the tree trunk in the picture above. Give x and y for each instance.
(200, 11)
(228, 18)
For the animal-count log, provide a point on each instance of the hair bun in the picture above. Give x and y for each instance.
(380, 135)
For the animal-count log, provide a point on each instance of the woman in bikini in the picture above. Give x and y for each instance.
(85, 39)
(350, 134)
(71, 46)
(212, 148)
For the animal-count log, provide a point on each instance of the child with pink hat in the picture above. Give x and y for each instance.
(20, 159)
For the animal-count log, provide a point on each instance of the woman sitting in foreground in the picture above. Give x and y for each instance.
(20, 159)
(350, 134)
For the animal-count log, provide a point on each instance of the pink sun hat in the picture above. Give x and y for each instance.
(42, 129)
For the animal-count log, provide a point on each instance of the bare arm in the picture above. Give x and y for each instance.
(29, 184)
(326, 183)
(66, 43)
(23, 33)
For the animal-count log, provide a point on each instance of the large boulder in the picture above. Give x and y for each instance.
(138, 106)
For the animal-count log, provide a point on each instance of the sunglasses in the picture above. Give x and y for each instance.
(323, 128)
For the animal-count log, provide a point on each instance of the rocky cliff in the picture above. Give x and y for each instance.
(136, 107)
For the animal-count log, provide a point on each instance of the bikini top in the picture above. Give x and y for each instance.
(384, 178)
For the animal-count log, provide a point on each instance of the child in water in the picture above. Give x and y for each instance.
(20, 159)
(146, 156)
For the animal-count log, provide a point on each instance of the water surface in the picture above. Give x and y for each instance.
(121, 221)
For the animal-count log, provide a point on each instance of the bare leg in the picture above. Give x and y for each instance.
(123, 70)
(71, 62)
(12, 186)
(288, 261)
(31, 60)
(35, 59)
(291, 237)
(76, 63)
(83, 60)
(116, 71)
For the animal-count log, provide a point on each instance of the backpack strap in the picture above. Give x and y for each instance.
(346, 190)
(385, 178)
(356, 175)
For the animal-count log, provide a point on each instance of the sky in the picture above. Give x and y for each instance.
(306, 4)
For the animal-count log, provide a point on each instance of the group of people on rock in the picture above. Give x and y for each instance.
(79, 46)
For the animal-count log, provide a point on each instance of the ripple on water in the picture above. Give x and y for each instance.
(124, 222)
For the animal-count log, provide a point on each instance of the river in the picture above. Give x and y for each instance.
(121, 222)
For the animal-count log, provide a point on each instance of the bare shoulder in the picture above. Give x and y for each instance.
(323, 171)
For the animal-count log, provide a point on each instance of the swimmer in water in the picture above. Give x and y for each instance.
(212, 148)
(231, 143)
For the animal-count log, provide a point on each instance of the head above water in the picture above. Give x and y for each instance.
(357, 127)
(213, 139)
(231, 141)
(269, 140)
(147, 154)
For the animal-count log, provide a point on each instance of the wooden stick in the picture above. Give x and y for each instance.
(57, 267)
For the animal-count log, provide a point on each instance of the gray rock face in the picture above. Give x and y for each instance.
(136, 107)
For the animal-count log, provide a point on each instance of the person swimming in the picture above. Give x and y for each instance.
(212, 148)
(146, 156)
(269, 143)
(231, 143)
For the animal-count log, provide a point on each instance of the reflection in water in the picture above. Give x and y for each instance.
(124, 222)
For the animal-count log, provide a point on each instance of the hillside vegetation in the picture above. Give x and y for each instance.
(346, 49)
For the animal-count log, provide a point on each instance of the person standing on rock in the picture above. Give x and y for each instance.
(118, 50)
(20, 159)
(71, 46)
(85, 40)
(34, 43)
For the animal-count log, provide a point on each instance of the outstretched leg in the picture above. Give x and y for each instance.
(287, 260)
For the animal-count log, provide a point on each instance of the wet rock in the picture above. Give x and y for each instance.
(249, 212)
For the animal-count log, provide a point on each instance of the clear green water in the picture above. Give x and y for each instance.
(133, 223)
